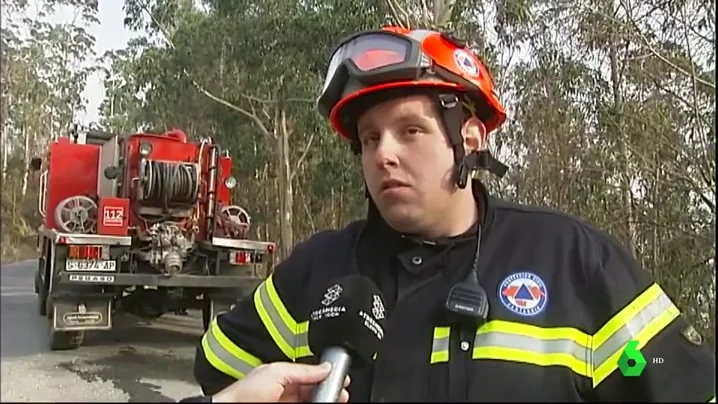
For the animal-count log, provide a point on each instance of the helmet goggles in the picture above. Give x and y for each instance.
(368, 59)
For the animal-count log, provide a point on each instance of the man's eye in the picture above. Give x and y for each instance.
(369, 138)
(413, 130)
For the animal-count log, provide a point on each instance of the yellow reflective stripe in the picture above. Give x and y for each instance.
(302, 345)
(641, 320)
(440, 345)
(289, 336)
(224, 355)
(560, 346)
(594, 356)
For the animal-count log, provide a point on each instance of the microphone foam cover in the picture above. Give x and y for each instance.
(350, 314)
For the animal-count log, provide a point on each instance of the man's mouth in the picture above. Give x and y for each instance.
(389, 184)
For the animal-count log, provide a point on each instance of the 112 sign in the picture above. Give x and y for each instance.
(113, 216)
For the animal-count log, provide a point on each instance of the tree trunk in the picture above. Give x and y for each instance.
(5, 151)
(25, 161)
(625, 171)
(333, 209)
(656, 217)
(286, 191)
(5, 137)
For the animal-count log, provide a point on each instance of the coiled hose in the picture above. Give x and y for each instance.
(170, 183)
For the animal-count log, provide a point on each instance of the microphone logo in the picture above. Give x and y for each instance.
(378, 308)
(332, 295)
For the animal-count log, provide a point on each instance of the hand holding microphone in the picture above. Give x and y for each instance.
(345, 328)
(278, 382)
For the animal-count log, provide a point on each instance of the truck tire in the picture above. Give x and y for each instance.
(206, 316)
(61, 340)
(41, 289)
(37, 275)
(42, 301)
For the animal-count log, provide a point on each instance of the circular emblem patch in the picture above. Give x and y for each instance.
(523, 293)
(466, 63)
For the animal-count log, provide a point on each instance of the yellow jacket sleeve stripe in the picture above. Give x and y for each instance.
(289, 335)
(641, 319)
(224, 355)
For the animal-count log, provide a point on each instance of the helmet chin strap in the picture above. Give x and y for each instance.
(463, 165)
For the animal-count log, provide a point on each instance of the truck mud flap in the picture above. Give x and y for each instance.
(82, 314)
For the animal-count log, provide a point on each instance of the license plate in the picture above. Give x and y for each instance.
(91, 265)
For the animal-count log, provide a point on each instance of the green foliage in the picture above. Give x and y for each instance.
(611, 117)
(44, 71)
(611, 109)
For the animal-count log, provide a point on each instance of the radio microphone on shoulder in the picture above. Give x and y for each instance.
(345, 327)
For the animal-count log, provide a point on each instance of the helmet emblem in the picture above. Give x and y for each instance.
(466, 63)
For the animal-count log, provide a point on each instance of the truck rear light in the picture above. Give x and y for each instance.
(270, 248)
(87, 252)
(242, 258)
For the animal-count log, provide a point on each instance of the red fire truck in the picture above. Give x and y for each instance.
(141, 224)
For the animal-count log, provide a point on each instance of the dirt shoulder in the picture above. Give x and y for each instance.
(14, 252)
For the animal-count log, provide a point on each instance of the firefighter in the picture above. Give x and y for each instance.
(551, 302)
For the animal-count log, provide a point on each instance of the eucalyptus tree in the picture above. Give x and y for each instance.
(44, 70)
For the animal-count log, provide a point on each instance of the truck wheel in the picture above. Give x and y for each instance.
(41, 289)
(206, 316)
(61, 340)
(42, 301)
(37, 275)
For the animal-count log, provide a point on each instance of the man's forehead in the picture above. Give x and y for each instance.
(398, 109)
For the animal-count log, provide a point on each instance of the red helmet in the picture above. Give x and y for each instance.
(384, 61)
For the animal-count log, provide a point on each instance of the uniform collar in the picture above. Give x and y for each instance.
(416, 254)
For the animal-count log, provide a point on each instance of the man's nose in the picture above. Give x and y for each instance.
(387, 151)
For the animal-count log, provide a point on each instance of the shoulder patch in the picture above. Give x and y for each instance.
(523, 293)
(692, 335)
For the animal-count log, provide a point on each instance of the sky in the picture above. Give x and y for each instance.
(109, 34)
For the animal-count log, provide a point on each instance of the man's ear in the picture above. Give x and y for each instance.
(474, 133)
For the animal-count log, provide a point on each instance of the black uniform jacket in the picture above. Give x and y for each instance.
(565, 301)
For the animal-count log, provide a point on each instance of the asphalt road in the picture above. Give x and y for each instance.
(135, 362)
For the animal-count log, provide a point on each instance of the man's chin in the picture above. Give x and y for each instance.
(403, 219)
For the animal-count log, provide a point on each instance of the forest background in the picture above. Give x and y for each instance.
(611, 110)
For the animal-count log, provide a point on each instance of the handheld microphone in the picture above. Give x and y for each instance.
(346, 327)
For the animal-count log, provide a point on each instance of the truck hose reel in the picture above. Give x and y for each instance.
(170, 182)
